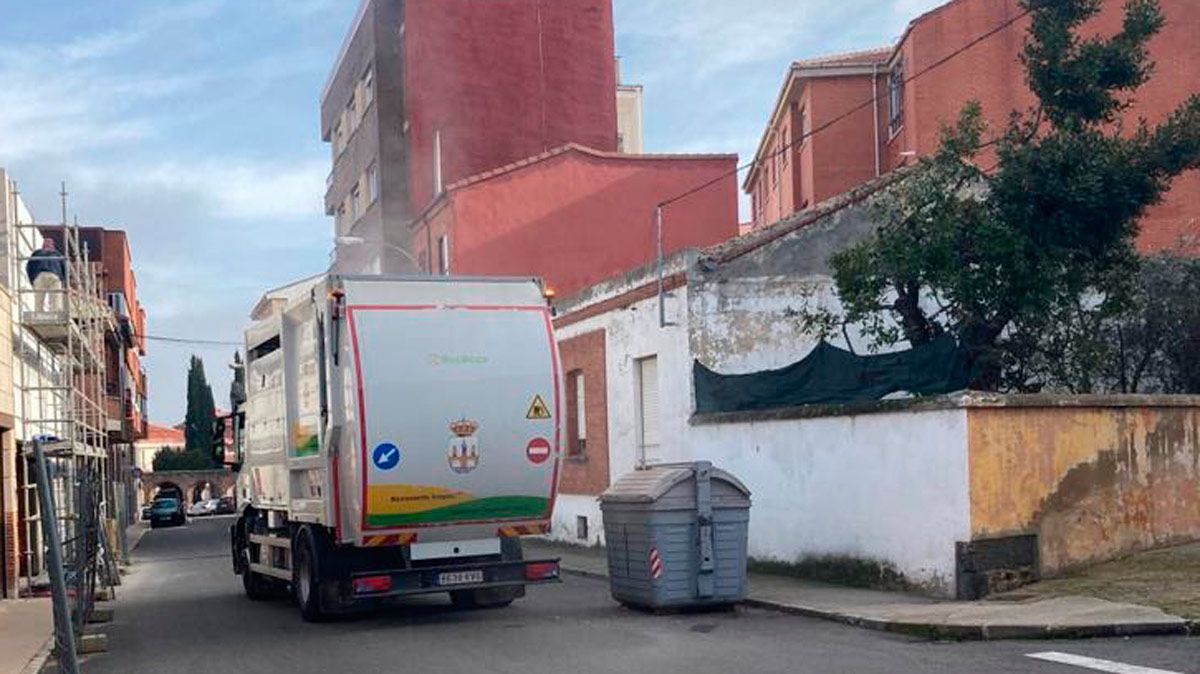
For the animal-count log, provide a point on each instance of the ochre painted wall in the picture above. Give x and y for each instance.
(1092, 482)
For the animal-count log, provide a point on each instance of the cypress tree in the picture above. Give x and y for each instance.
(201, 413)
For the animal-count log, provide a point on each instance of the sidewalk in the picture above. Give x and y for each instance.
(26, 629)
(1053, 617)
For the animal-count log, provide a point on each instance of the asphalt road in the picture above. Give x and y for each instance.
(181, 610)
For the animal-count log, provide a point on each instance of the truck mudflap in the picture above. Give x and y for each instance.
(452, 577)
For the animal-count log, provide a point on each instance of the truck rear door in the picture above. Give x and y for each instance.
(458, 400)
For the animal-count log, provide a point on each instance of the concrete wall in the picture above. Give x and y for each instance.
(1094, 478)
(891, 488)
(849, 486)
(10, 544)
(631, 138)
(629, 320)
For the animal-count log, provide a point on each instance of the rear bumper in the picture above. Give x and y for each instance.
(427, 580)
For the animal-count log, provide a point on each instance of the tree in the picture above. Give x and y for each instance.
(168, 458)
(999, 258)
(200, 421)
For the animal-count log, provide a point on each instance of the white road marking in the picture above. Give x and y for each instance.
(1096, 663)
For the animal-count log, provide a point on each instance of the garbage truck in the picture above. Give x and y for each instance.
(399, 435)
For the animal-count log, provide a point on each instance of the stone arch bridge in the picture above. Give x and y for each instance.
(195, 484)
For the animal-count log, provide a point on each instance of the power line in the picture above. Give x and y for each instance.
(186, 340)
(870, 101)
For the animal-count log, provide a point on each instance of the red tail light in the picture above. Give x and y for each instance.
(541, 571)
(372, 584)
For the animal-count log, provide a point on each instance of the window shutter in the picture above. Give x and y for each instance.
(648, 371)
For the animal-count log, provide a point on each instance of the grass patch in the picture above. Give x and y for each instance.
(1168, 578)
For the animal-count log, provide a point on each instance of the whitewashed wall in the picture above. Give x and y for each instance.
(631, 333)
(887, 487)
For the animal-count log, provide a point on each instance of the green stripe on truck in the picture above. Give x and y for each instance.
(490, 508)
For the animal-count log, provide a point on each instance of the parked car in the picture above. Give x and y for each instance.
(202, 508)
(146, 512)
(167, 512)
(226, 506)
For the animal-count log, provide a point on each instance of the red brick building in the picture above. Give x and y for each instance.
(426, 93)
(504, 80)
(575, 216)
(905, 120)
(126, 385)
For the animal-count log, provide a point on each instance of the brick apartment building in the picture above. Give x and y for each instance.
(428, 92)
(495, 138)
(126, 386)
(906, 118)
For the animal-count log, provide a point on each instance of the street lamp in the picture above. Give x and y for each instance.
(359, 241)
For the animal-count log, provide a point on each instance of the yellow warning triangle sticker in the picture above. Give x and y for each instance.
(538, 409)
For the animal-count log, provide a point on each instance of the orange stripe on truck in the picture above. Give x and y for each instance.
(389, 539)
(522, 530)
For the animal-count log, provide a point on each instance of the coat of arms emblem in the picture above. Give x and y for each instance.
(464, 447)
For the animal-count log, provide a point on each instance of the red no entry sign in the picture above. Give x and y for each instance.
(538, 450)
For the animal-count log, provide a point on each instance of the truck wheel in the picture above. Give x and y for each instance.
(306, 585)
(255, 586)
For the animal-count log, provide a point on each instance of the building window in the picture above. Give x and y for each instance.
(647, 410)
(784, 149)
(340, 218)
(339, 139)
(355, 203)
(576, 414)
(372, 184)
(444, 255)
(368, 84)
(896, 97)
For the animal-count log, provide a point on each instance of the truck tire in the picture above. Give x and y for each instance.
(256, 587)
(306, 583)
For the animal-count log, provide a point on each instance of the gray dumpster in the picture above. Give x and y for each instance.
(676, 536)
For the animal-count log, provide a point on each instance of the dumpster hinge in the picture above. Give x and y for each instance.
(704, 513)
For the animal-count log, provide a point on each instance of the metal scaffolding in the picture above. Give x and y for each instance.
(59, 332)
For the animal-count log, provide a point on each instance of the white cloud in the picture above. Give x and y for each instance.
(239, 189)
(101, 45)
(229, 188)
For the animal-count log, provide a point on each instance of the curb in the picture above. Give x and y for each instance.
(38, 663)
(584, 574)
(139, 534)
(945, 632)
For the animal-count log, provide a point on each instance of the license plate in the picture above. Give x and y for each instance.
(460, 577)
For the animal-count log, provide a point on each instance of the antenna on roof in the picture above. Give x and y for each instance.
(64, 194)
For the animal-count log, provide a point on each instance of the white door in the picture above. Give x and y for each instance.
(648, 438)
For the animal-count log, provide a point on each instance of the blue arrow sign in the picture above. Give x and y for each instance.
(386, 456)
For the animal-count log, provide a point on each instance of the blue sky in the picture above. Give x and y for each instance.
(193, 125)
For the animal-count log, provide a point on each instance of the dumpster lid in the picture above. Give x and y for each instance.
(649, 484)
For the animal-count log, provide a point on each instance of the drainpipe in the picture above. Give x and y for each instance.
(875, 111)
